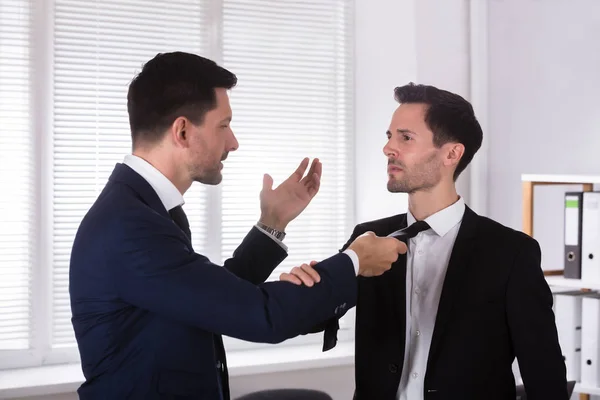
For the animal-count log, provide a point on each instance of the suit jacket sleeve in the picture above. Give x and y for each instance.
(533, 329)
(256, 257)
(331, 326)
(155, 270)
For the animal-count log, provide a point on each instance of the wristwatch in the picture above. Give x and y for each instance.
(273, 232)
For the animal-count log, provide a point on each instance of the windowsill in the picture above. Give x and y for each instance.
(66, 378)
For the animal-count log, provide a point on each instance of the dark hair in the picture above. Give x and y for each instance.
(169, 86)
(449, 116)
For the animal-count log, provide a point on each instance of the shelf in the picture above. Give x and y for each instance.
(554, 277)
(579, 388)
(572, 283)
(528, 183)
(560, 179)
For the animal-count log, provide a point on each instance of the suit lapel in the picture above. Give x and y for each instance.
(396, 283)
(394, 280)
(455, 277)
(125, 175)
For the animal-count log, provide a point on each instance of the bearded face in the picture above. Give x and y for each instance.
(415, 163)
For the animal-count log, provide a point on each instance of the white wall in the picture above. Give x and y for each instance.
(424, 41)
(543, 106)
(443, 54)
(385, 58)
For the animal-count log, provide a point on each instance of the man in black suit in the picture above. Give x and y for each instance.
(148, 310)
(449, 318)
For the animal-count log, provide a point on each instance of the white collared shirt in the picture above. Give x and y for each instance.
(426, 263)
(168, 194)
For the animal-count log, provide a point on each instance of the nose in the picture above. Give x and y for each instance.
(234, 143)
(389, 151)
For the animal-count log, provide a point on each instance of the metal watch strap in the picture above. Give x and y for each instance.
(273, 232)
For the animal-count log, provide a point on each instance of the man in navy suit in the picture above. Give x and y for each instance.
(148, 311)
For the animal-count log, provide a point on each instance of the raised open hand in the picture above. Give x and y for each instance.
(281, 205)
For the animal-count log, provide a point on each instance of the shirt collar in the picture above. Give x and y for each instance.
(442, 221)
(168, 194)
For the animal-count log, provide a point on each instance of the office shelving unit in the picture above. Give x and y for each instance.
(555, 277)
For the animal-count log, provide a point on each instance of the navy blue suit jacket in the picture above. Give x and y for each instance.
(149, 312)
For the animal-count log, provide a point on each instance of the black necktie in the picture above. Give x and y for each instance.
(181, 220)
(410, 231)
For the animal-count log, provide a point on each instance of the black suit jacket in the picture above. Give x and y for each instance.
(495, 305)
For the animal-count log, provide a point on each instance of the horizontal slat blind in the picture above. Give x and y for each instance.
(293, 100)
(99, 46)
(17, 179)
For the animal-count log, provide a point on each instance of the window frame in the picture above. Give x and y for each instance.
(41, 352)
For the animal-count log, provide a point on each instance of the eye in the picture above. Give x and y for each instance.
(406, 137)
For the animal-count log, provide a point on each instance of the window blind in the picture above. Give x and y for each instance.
(17, 178)
(293, 100)
(99, 46)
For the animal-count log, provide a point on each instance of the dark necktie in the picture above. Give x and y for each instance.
(181, 220)
(410, 231)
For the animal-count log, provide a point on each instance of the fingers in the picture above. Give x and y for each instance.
(319, 168)
(313, 167)
(290, 278)
(312, 180)
(299, 173)
(314, 275)
(315, 184)
(267, 182)
(316, 168)
(395, 247)
(401, 247)
(305, 274)
(377, 254)
(305, 277)
(313, 263)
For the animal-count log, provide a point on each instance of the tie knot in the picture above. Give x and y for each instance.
(410, 231)
(418, 226)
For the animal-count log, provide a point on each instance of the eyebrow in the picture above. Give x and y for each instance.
(401, 131)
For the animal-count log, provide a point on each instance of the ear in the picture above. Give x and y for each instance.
(180, 132)
(454, 153)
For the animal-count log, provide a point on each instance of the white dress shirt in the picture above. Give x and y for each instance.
(426, 263)
(171, 197)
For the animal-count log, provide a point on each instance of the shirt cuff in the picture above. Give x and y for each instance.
(279, 242)
(354, 258)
